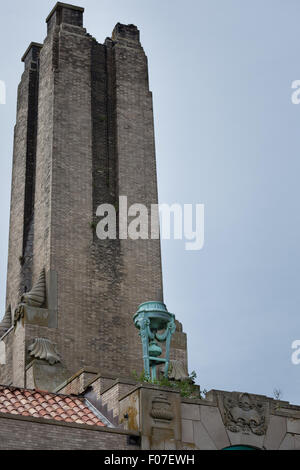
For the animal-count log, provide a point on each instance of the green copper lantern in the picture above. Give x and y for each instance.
(152, 318)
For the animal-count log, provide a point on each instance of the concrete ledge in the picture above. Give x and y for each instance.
(84, 370)
(115, 377)
(199, 401)
(120, 382)
(146, 386)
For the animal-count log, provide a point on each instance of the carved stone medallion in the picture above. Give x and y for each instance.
(245, 413)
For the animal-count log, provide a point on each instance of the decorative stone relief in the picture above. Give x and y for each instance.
(19, 313)
(161, 408)
(36, 297)
(42, 348)
(177, 371)
(243, 413)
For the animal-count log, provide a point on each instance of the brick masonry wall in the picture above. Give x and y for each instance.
(77, 384)
(18, 359)
(112, 396)
(15, 250)
(19, 433)
(101, 384)
(94, 142)
(23, 182)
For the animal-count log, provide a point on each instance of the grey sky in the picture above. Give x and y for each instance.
(227, 136)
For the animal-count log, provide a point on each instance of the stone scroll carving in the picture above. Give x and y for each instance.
(177, 371)
(42, 348)
(36, 297)
(244, 413)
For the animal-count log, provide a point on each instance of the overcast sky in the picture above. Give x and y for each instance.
(227, 136)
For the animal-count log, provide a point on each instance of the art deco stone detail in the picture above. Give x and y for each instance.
(152, 318)
(37, 296)
(177, 371)
(42, 348)
(245, 414)
(161, 408)
(19, 313)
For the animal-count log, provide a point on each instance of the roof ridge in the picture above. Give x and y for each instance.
(45, 392)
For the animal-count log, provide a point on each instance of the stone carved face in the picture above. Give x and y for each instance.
(244, 402)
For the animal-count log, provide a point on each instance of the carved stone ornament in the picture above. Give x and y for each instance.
(37, 296)
(161, 408)
(177, 371)
(19, 313)
(244, 413)
(42, 348)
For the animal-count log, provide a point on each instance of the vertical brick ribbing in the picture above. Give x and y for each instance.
(89, 141)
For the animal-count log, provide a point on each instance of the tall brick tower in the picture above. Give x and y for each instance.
(84, 136)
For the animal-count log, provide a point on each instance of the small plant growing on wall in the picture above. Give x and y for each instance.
(187, 387)
(93, 224)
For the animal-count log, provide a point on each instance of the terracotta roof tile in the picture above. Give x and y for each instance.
(46, 405)
(58, 418)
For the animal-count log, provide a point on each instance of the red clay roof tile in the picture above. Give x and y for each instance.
(46, 405)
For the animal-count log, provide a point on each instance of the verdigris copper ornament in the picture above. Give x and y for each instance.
(152, 318)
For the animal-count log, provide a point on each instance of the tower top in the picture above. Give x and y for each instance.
(129, 32)
(32, 50)
(66, 13)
